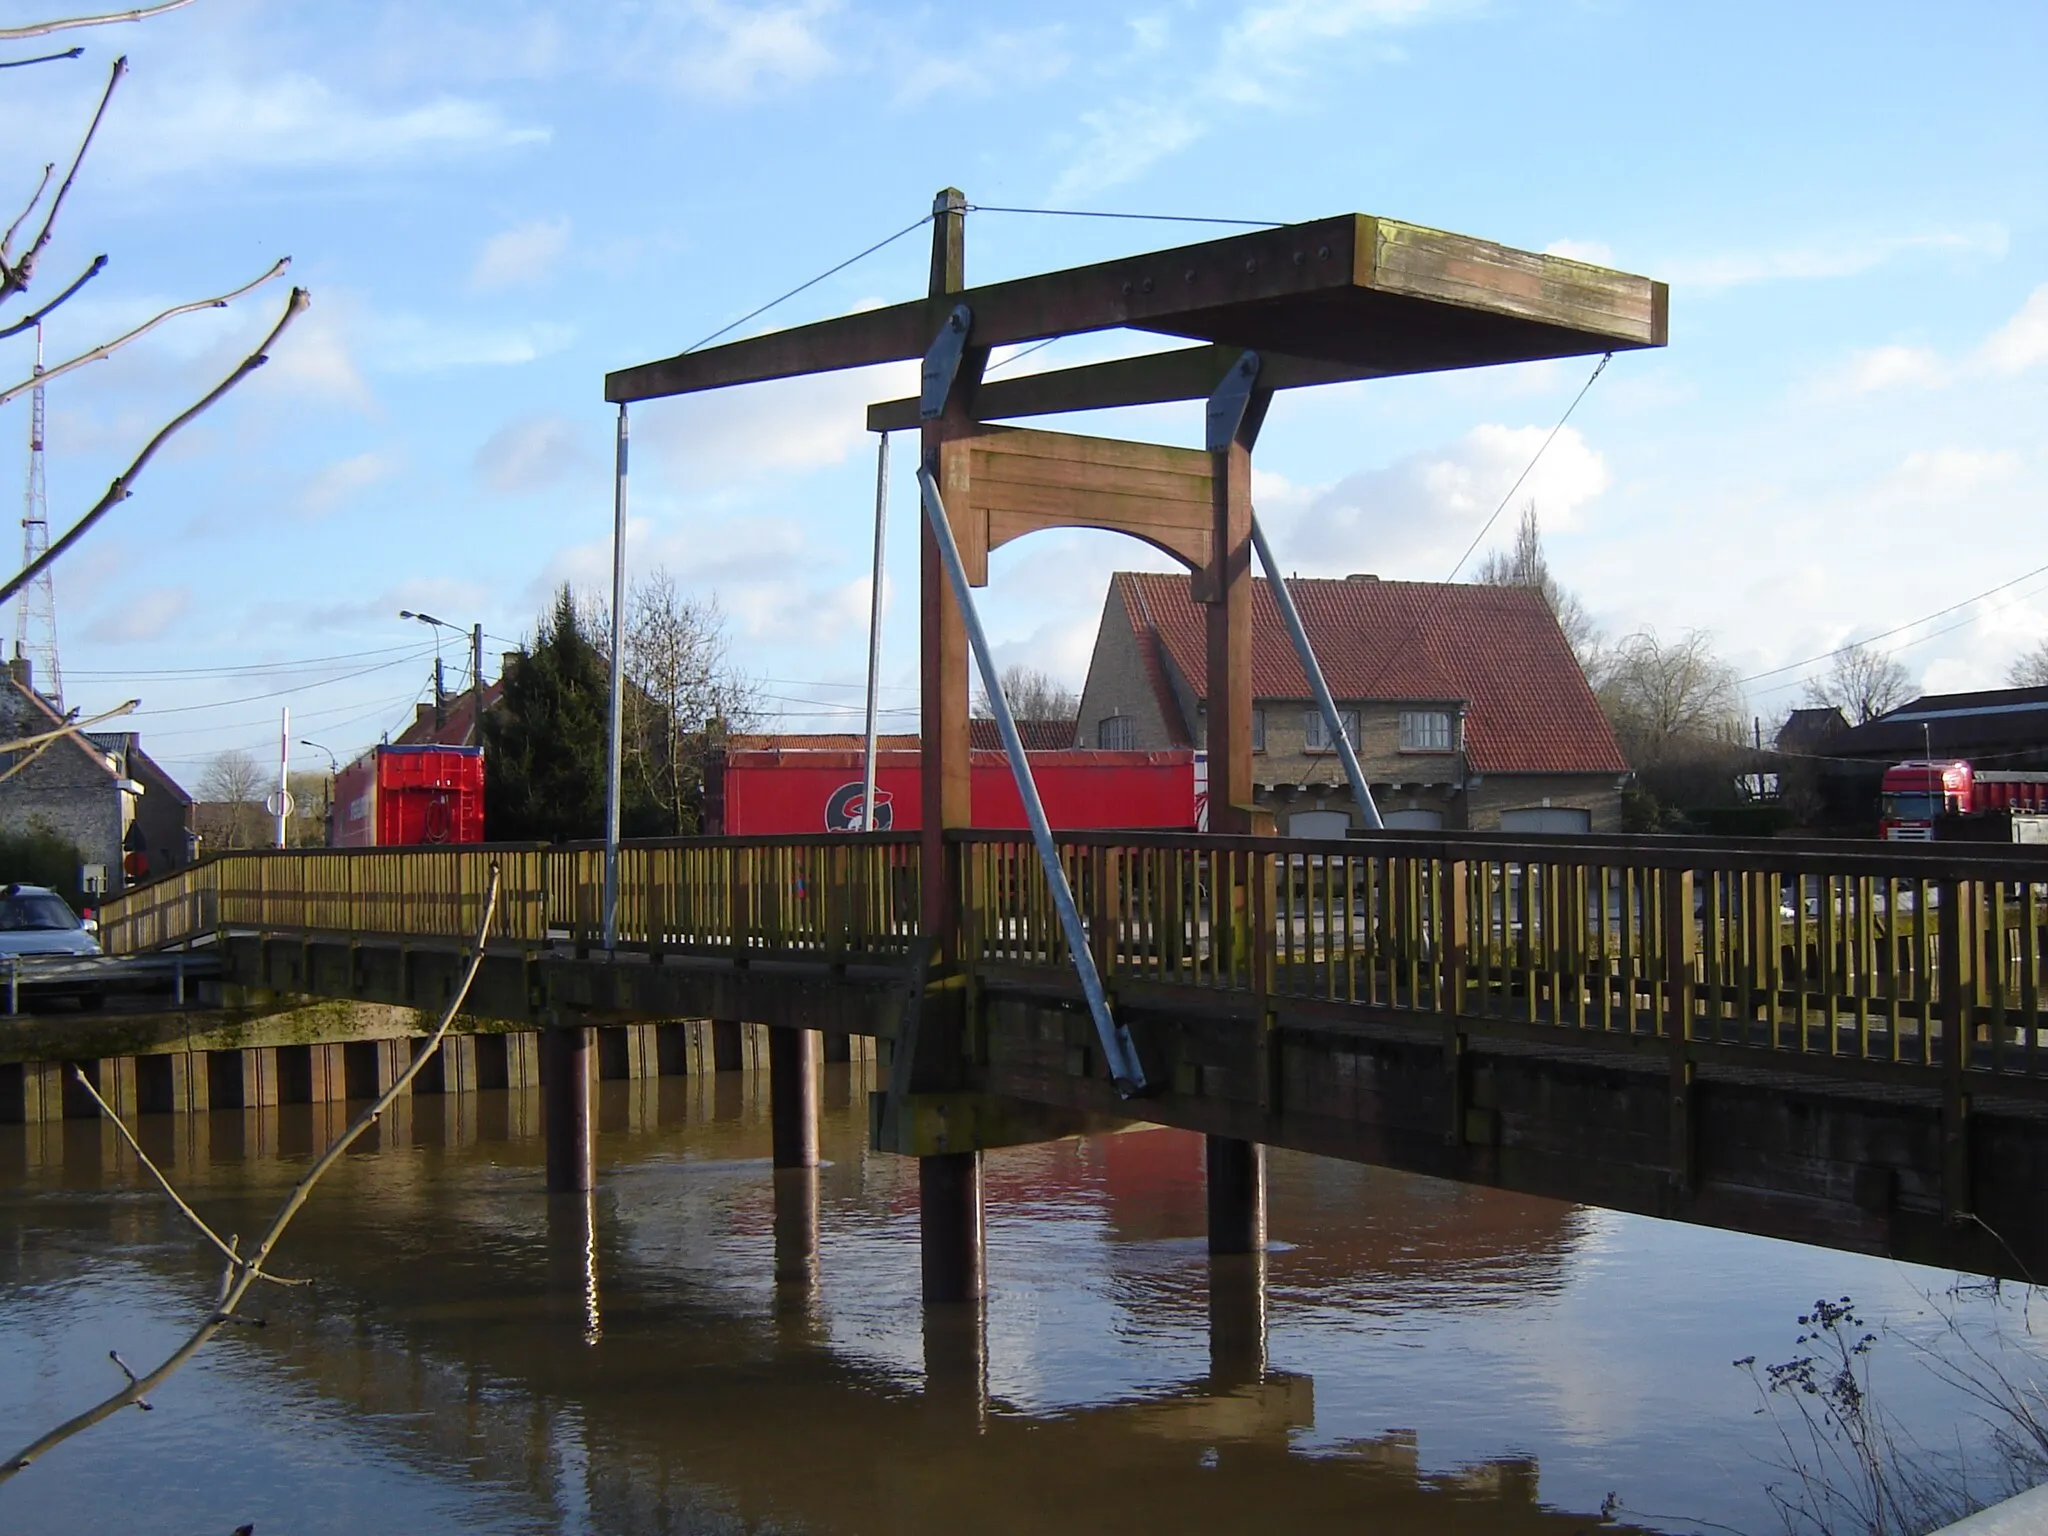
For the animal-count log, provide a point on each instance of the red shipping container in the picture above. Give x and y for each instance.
(401, 797)
(781, 790)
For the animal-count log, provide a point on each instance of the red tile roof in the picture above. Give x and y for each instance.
(982, 736)
(1497, 649)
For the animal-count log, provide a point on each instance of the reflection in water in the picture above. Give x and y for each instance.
(1402, 1360)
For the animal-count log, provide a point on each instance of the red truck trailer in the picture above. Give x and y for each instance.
(1919, 797)
(398, 797)
(778, 790)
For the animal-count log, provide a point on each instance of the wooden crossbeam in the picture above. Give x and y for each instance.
(1373, 294)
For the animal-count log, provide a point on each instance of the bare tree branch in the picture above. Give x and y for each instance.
(72, 23)
(99, 265)
(42, 186)
(123, 485)
(107, 349)
(15, 278)
(242, 1273)
(48, 739)
(205, 1231)
(43, 58)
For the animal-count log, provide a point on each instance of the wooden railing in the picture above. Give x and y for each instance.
(1845, 952)
(831, 897)
(1869, 955)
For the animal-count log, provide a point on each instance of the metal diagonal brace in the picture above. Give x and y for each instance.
(1117, 1048)
(942, 363)
(1333, 724)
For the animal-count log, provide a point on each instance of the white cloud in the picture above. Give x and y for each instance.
(144, 617)
(528, 455)
(1890, 367)
(736, 52)
(1847, 258)
(1411, 519)
(766, 430)
(1258, 59)
(994, 61)
(339, 481)
(520, 256)
(2023, 340)
(295, 120)
(1938, 474)
(1598, 252)
(404, 343)
(314, 360)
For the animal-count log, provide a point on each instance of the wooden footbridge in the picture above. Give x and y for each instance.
(1838, 1043)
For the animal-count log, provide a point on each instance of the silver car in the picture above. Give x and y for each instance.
(35, 920)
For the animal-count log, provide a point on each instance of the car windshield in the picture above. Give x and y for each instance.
(40, 912)
(1910, 807)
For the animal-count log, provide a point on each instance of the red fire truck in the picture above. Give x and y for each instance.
(395, 797)
(775, 790)
(1920, 798)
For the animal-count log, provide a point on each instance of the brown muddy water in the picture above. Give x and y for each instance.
(477, 1356)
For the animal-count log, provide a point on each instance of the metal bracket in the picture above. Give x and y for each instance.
(1228, 402)
(942, 363)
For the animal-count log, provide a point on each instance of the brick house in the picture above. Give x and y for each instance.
(101, 792)
(1464, 703)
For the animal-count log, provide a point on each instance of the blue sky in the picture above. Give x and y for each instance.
(493, 204)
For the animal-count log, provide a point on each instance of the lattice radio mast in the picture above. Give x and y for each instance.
(35, 609)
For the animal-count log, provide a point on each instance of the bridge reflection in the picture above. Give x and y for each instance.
(617, 1357)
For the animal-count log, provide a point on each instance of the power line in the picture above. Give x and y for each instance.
(253, 669)
(1150, 218)
(1899, 629)
(810, 283)
(278, 693)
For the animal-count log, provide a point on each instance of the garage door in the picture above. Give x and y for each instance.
(1329, 824)
(1547, 818)
(1413, 821)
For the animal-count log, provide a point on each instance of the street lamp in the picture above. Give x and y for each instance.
(476, 673)
(333, 772)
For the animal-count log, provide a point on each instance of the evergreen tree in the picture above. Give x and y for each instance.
(544, 748)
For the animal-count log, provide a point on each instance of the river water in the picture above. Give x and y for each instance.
(477, 1356)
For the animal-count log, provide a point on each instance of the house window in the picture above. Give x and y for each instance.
(1117, 733)
(1316, 739)
(1427, 730)
(1258, 729)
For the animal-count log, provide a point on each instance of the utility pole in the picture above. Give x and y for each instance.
(440, 698)
(476, 687)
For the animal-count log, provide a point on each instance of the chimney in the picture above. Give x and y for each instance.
(23, 671)
(422, 716)
(507, 661)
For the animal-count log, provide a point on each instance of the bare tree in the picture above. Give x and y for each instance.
(1861, 683)
(17, 272)
(1666, 699)
(685, 696)
(1032, 695)
(2030, 667)
(1526, 566)
(236, 781)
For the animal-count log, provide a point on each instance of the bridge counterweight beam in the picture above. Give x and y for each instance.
(565, 1095)
(793, 1095)
(950, 1227)
(1237, 1195)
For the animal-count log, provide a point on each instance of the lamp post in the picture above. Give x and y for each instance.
(333, 772)
(476, 673)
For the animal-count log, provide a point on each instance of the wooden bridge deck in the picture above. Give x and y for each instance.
(1833, 1042)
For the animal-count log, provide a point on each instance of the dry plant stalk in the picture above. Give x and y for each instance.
(123, 484)
(241, 1273)
(68, 23)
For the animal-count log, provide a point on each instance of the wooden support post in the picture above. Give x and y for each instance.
(1237, 1319)
(1237, 1195)
(1957, 995)
(566, 1088)
(522, 1060)
(329, 1074)
(950, 1227)
(943, 658)
(259, 1077)
(42, 1091)
(1455, 916)
(1226, 588)
(727, 1041)
(793, 1096)
(1680, 949)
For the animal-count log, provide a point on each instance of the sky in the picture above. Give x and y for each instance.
(494, 204)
